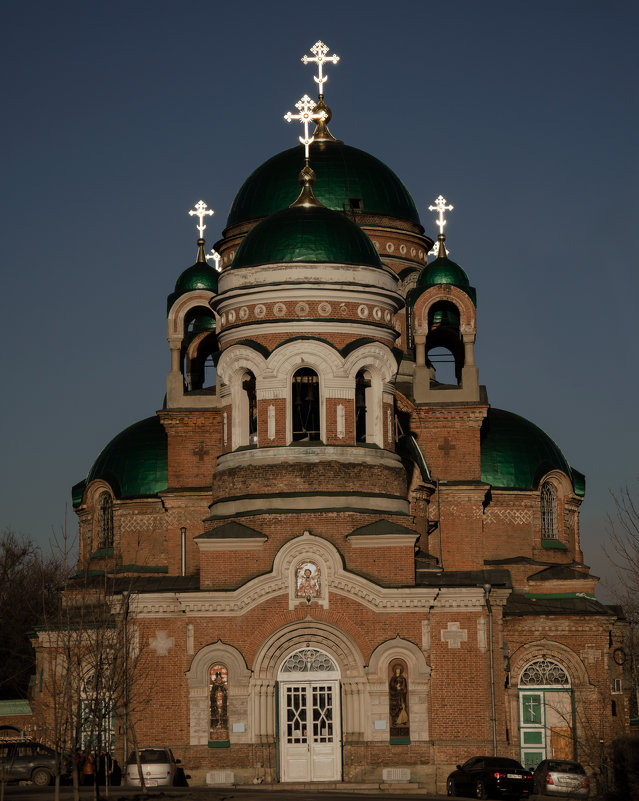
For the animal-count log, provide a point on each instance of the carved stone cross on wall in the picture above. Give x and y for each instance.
(161, 643)
(200, 452)
(454, 635)
(446, 446)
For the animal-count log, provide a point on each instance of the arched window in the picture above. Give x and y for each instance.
(218, 694)
(305, 405)
(248, 385)
(544, 673)
(362, 390)
(549, 528)
(444, 346)
(105, 521)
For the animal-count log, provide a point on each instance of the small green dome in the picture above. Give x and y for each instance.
(443, 271)
(199, 276)
(135, 463)
(516, 454)
(347, 178)
(306, 234)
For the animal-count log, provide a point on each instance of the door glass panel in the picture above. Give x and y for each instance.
(322, 713)
(296, 715)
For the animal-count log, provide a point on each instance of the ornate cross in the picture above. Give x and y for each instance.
(320, 50)
(446, 446)
(454, 635)
(201, 211)
(533, 707)
(441, 207)
(216, 258)
(306, 116)
(200, 452)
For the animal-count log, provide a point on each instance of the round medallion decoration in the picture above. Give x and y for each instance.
(376, 243)
(387, 316)
(301, 309)
(324, 309)
(377, 313)
(232, 316)
(362, 311)
(402, 249)
(223, 320)
(343, 309)
(243, 313)
(279, 310)
(260, 310)
(390, 247)
(421, 254)
(412, 251)
(231, 255)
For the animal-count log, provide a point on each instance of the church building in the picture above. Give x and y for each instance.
(343, 564)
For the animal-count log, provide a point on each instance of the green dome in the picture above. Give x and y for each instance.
(443, 271)
(135, 463)
(347, 178)
(516, 454)
(199, 276)
(306, 234)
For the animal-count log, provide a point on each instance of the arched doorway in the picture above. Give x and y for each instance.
(310, 721)
(546, 713)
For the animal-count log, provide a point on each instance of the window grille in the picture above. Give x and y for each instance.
(544, 673)
(308, 660)
(105, 521)
(549, 528)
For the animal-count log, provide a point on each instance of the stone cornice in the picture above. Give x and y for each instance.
(382, 540)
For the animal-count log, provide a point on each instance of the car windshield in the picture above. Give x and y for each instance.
(565, 767)
(503, 763)
(150, 755)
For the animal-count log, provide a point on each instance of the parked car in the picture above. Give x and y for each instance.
(159, 768)
(490, 777)
(561, 777)
(25, 760)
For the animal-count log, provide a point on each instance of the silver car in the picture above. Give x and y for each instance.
(560, 777)
(158, 765)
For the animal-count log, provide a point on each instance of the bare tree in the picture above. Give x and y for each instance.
(623, 552)
(29, 586)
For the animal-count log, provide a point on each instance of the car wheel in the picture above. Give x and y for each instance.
(450, 787)
(41, 777)
(480, 789)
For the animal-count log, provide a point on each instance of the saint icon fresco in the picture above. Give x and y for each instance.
(307, 581)
(219, 705)
(398, 701)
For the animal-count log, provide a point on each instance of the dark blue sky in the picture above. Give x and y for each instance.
(119, 116)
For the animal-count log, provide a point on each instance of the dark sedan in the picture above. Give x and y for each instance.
(490, 777)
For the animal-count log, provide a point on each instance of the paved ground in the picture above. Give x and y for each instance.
(300, 792)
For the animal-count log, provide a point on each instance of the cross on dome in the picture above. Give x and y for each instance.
(201, 211)
(320, 50)
(441, 207)
(306, 116)
(216, 258)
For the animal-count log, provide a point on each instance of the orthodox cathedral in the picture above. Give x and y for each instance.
(342, 565)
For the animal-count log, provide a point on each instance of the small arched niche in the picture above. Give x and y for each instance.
(305, 405)
(199, 348)
(444, 345)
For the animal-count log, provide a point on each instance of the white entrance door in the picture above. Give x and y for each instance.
(310, 742)
(310, 731)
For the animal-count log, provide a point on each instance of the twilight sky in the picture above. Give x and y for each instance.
(119, 116)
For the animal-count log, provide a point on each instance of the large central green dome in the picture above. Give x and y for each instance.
(306, 234)
(347, 179)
